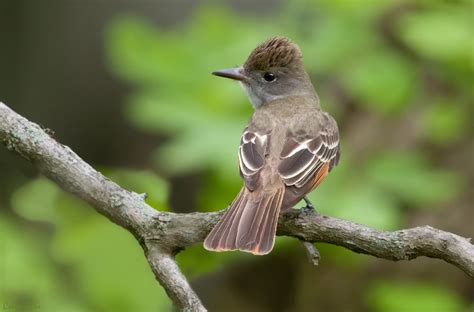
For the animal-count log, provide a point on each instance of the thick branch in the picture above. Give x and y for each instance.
(163, 234)
(398, 245)
(122, 207)
(170, 277)
(183, 230)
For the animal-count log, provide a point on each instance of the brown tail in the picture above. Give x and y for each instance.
(249, 224)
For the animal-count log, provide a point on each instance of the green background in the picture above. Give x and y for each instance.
(127, 86)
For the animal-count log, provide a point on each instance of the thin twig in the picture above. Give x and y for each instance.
(312, 252)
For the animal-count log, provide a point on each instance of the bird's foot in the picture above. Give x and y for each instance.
(309, 208)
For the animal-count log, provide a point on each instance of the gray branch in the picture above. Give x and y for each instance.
(163, 234)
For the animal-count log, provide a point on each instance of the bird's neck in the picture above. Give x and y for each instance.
(260, 99)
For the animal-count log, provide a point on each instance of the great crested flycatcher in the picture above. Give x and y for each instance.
(286, 150)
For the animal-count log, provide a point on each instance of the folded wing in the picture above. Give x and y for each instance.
(252, 151)
(303, 158)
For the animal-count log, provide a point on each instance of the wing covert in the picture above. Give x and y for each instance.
(252, 151)
(302, 158)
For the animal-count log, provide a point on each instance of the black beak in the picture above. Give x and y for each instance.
(232, 73)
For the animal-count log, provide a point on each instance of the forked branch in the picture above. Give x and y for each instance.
(162, 234)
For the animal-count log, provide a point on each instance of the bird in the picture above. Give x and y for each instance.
(287, 149)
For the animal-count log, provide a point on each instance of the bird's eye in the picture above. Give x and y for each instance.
(269, 77)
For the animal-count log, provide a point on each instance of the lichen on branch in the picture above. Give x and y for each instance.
(163, 234)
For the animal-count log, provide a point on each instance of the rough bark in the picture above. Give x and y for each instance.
(163, 234)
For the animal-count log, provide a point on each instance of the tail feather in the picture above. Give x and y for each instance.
(268, 235)
(221, 231)
(250, 221)
(249, 224)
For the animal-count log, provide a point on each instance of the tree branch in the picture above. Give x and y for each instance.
(170, 277)
(125, 208)
(162, 234)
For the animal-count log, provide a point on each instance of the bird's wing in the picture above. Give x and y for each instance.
(252, 152)
(303, 159)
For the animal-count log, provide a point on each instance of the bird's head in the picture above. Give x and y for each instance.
(272, 71)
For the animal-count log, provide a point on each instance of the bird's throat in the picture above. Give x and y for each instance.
(255, 100)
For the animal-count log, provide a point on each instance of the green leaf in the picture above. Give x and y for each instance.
(332, 40)
(213, 146)
(382, 82)
(28, 279)
(23, 269)
(407, 176)
(442, 33)
(109, 266)
(445, 121)
(36, 200)
(140, 54)
(362, 203)
(94, 250)
(386, 296)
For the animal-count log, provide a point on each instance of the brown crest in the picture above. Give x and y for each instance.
(274, 52)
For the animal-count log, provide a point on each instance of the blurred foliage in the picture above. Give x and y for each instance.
(209, 116)
(176, 95)
(387, 296)
(113, 276)
(382, 59)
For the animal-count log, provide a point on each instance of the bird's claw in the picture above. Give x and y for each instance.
(309, 208)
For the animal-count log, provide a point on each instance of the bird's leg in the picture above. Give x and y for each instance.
(309, 205)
